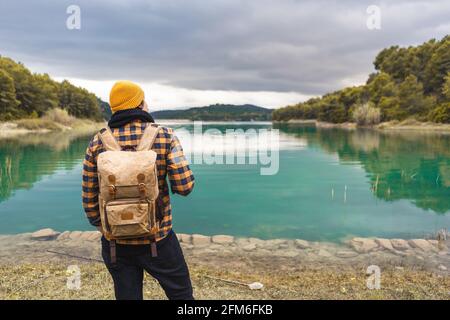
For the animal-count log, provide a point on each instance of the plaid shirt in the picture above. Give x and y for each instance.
(170, 161)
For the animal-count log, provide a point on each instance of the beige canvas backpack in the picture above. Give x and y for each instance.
(128, 182)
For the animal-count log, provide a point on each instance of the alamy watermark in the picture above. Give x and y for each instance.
(373, 282)
(73, 277)
(232, 147)
(373, 21)
(73, 21)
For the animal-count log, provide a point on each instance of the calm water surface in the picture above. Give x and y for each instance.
(331, 184)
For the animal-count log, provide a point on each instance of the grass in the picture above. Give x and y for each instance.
(57, 119)
(48, 281)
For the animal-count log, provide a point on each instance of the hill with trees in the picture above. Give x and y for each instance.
(218, 112)
(24, 94)
(408, 82)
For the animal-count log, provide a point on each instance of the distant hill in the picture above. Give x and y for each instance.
(218, 112)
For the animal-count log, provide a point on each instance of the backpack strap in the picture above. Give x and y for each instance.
(148, 137)
(109, 142)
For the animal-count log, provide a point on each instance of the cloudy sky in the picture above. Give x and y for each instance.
(197, 52)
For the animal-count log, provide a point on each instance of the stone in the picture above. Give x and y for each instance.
(324, 253)
(256, 241)
(184, 238)
(222, 239)
(249, 247)
(385, 243)
(421, 244)
(442, 267)
(63, 236)
(200, 240)
(45, 234)
(346, 254)
(400, 244)
(288, 253)
(302, 244)
(86, 235)
(242, 241)
(95, 235)
(284, 246)
(274, 243)
(363, 245)
(75, 235)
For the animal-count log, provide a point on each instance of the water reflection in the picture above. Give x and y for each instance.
(399, 164)
(24, 160)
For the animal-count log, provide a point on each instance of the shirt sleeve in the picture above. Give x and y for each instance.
(180, 175)
(90, 189)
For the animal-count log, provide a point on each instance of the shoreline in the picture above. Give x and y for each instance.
(405, 125)
(35, 266)
(11, 129)
(432, 255)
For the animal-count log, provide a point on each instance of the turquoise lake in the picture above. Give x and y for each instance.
(331, 184)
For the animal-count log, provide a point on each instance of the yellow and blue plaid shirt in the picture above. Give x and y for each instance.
(170, 162)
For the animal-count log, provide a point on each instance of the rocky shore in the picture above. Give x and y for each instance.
(432, 255)
(34, 266)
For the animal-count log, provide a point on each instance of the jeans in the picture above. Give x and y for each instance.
(168, 268)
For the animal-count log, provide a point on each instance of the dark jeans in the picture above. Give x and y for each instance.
(169, 268)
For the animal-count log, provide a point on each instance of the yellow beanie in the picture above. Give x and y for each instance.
(125, 95)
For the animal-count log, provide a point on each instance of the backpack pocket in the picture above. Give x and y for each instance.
(131, 218)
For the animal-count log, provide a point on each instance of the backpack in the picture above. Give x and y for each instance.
(128, 183)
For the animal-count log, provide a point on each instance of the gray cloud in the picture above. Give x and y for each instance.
(309, 47)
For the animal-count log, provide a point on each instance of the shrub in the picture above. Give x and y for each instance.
(366, 115)
(59, 116)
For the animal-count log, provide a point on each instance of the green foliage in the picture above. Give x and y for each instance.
(218, 112)
(8, 101)
(366, 115)
(27, 95)
(409, 82)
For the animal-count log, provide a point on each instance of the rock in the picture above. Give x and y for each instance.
(63, 236)
(222, 239)
(75, 235)
(200, 240)
(442, 267)
(284, 246)
(400, 244)
(44, 234)
(399, 268)
(422, 244)
(249, 247)
(346, 254)
(256, 241)
(302, 244)
(363, 245)
(288, 253)
(434, 242)
(184, 238)
(95, 235)
(242, 241)
(276, 242)
(324, 253)
(385, 243)
(86, 235)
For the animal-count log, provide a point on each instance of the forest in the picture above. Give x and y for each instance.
(24, 94)
(412, 82)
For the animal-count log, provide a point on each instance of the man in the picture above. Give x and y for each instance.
(128, 122)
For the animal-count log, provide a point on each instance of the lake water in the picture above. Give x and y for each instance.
(331, 184)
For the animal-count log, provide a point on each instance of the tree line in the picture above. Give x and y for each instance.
(408, 82)
(24, 94)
